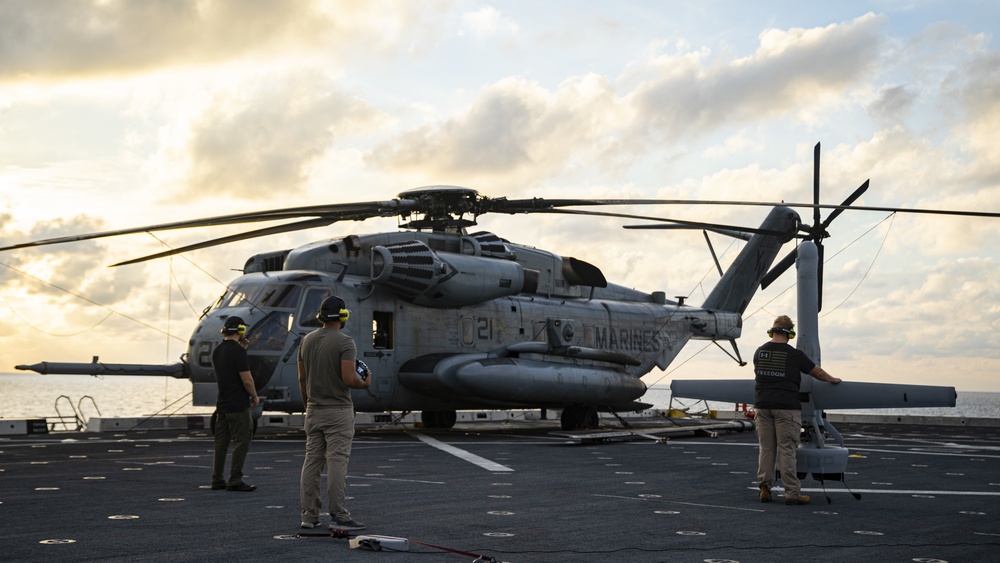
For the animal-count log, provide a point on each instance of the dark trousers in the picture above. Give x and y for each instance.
(235, 428)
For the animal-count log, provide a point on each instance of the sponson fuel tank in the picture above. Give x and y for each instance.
(516, 381)
(417, 273)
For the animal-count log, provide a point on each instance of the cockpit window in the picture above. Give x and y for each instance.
(237, 296)
(310, 306)
(283, 296)
(270, 333)
(276, 295)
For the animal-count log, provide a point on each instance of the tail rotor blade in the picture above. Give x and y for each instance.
(816, 185)
(779, 268)
(847, 202)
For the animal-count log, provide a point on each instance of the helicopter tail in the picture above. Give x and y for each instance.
(741, 280)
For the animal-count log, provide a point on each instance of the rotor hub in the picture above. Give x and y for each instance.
(443, 208)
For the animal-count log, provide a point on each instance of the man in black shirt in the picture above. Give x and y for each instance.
(237, 393)
(778, 369)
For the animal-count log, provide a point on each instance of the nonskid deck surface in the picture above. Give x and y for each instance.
(514, 492)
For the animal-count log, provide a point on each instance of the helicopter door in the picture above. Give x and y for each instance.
(382, 330)
(377, 349)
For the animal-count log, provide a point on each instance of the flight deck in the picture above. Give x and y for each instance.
(510, 491)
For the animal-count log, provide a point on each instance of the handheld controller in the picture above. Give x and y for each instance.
(362, 369)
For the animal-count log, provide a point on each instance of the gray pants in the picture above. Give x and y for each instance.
(329, 433)
(778, 433)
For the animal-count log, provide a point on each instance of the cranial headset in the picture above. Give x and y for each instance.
(787, 331)
(333, 308)
(234, 325)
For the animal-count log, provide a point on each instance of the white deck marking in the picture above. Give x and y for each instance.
(462, 454)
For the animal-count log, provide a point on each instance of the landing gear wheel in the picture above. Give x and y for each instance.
(438, 419)
(447, 419)
(579, 417)
(429, 419)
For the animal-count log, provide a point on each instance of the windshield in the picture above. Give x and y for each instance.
(276, 295)
(310, 306)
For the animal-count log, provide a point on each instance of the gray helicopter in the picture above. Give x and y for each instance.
(450, 320)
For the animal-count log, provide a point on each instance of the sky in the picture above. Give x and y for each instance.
(118, 114)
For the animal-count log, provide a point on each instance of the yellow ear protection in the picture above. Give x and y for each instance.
(786, 331)
(333, 307)
(234, 325)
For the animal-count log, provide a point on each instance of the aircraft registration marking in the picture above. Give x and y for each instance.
(463, 455)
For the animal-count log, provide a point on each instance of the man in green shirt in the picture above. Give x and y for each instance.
(327, 373)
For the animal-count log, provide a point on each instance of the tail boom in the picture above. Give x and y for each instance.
(741, 280)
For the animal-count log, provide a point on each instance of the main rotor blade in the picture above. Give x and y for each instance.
(287, 228)
(403, 207)
(677, 223)
(738, 232)
(542, 205)
(337, 212)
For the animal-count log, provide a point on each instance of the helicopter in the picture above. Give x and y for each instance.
(450, 320)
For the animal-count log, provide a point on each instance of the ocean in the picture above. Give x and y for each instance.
(29, 395)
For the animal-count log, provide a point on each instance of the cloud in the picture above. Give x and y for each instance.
(60, 39)
(486, 22)
(261, 137)
(794, 70)
(978, 134)
(892, 104)
(65, 266)
(524, 132)
(515, 130)
(944, 309)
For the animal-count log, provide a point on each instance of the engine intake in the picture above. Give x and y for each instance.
(420, 275)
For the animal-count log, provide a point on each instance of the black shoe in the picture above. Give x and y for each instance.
(242, 487)
(218, 487)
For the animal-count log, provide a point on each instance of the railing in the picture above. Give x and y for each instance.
(76, 418)
(65, 419)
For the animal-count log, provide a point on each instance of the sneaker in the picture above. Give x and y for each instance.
(309, 525)
(242, 487)
(765, 492)
(348, 524)
(801, 499)
(218, 486)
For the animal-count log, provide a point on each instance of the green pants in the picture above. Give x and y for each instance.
(235, 428)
